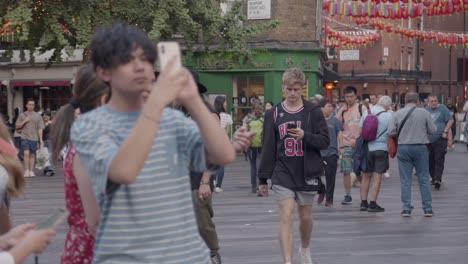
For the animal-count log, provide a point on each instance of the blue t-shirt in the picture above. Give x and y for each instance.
(150, 220)
(440, 115)
(380, 143)
(334, 127)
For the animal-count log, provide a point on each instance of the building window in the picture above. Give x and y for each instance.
(226, 5)
(244, 90)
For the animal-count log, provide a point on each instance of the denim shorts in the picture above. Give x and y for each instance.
(29, 145)
(302, 198)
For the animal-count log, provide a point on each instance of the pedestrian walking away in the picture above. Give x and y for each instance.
(294, 132)
(377, 159)
(414, 126)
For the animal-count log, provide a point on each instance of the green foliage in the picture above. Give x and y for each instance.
(66, 24)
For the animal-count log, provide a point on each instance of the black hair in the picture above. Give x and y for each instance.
(269, 102)
(113, 46)
(323, 102)
(219, 104)
(350, 89)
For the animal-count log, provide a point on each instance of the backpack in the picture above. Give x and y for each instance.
(370, 126)
(256, 125)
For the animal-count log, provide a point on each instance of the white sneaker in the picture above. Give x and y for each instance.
(386, 175)
(31, 173)
(304, 253)
(218, 190)
(26, 174)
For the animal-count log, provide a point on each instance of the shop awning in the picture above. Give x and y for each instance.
(41, 83)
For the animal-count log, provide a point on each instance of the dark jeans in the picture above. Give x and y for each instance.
(254, 158)
(204, 215)
(219, 177)
(17, 141)
(330, 176)
(437, 151)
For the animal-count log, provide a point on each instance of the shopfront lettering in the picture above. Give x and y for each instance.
(305, 63)
(229, 64)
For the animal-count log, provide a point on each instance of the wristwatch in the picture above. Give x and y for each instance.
(204, 183)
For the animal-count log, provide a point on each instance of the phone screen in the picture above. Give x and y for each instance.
(168, 50)
(54, 219)
(291, 125)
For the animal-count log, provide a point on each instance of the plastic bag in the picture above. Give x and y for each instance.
(42, 159)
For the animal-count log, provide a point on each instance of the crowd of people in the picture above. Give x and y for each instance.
(128, 157)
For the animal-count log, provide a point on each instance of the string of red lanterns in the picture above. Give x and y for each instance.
(393, 9)
(442, 38)
(350, 38)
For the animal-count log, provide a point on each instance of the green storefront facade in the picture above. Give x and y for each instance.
(260, 79)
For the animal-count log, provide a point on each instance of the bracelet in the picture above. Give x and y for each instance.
(204, 183)
(149, 117)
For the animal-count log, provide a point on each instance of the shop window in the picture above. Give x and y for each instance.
(244, 90)
(55, 97)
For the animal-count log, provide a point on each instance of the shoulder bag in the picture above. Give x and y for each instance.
(392, 142)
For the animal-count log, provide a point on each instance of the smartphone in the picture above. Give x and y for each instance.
(54, 220)
(168, 50)
(291, 125)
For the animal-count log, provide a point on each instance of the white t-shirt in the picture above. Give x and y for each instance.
(225, 119)
(6, 258)
(3, 183)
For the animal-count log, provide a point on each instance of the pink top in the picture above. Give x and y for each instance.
(351, 128)
(79, 242)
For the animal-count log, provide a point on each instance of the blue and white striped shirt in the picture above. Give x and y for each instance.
(150, 220)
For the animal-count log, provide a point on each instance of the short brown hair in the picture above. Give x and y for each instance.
(294, 76)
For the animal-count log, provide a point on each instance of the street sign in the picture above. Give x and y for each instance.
(349, 55)
(259, 9)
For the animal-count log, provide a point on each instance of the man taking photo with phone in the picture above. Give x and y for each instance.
(138, 154)
(294, 132)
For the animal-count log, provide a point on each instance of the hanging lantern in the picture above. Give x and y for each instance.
(388, 28)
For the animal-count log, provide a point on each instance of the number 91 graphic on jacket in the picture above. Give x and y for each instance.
(292, 146)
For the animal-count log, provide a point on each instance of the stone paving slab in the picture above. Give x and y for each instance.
(247, 225)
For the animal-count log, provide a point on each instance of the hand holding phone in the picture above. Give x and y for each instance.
(292, 125)
(169, 55)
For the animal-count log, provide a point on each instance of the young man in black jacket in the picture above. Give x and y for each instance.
(294, 132)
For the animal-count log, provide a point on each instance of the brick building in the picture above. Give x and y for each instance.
(394, 65)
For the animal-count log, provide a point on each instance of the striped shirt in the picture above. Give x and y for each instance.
(150, 220)
(225, 119)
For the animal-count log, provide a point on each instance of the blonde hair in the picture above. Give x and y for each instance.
(12, 165)
(294, 76)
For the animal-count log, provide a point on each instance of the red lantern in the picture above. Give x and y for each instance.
(427, 3)
(430, 11)
(388, 28)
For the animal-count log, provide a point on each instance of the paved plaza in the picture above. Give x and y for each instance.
(247, 225)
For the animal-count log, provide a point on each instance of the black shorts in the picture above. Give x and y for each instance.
(377, 161)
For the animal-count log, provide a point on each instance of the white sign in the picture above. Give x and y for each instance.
(385, 51)
(349, 55)
(259, 9)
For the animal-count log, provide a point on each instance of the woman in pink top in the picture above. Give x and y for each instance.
(89, 93)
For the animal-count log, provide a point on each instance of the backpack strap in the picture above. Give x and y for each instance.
(360, 109)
